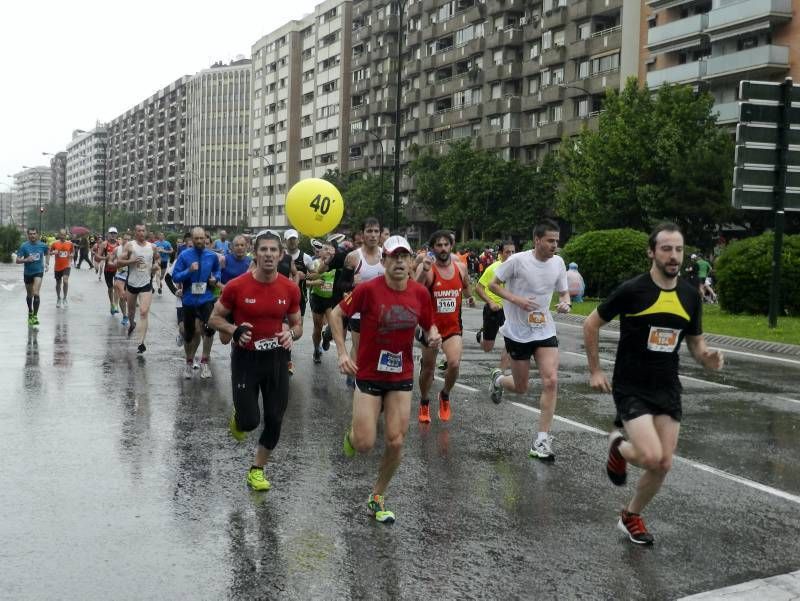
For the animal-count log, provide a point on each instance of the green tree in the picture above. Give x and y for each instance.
(10, 239)
(365, 195)
(654, 157)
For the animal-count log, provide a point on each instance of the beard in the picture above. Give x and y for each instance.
(669, 269)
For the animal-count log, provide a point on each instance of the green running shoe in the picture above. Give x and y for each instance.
(377, 510)
(35, 320)
(256, 479)
(347, 446)
(234, 428)
(30, 319)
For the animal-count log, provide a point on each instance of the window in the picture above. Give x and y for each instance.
(556, 113)
(582, 107)
(331, 86)
(583, 69)
(533, 85)
(558, 38)
(547, 40)
(495, 122)
(605, 63)
(585, 30)
(497, 91)
(544, 76)
(558, 76)
(535, 50)
(497, 57)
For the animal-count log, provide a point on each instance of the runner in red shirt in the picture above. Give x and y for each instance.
(391, 307)
(259, 301)
(62, 250)
(447, 282)
(106, 250)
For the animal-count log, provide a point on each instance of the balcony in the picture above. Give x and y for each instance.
(411, 67)
(504, 37)
(683, 32)
(578, 10)
(728, 112)
(556, 18)
(507, 71)
(362, 8)
(362, 33)
(359, 111)
(756, 62)
(509, 104)
(578, 49)
(357, 163)
(733, 16)
(606, 39)
(688, 73)
(361, 60)
(413, 38)
(550, 131)
(598, 83)
(387, 105)
(412, 96)
(530, 67)
(554, 56)
(495, 7)
(530, 102)
(599, 7)
(550, 94)
(501, 139)
(662, 4)
(409, 126)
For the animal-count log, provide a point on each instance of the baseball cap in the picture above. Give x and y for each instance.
(290, 234)
(316, 244)
(335, 238)
(394, 244)
(112, 230)
(694, 257)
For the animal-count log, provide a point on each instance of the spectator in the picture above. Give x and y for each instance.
(575, 283)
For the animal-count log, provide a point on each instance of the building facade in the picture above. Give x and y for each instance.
(31, 191)
(86, 167)
(146, 157)
(714, 44)
(301, 107)
(515, 75)
(216, 177)
(58, 178)
(6, 201)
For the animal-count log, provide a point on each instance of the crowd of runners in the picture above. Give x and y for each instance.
(251, 293)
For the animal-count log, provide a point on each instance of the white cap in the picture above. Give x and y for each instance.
(335, 238)
(694, 257)
(395, 243)
(290, 234)
(112, 230)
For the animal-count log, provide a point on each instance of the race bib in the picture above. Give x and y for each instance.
(36, 256)
(141, 266)
(536, 319)
(266, 344)
(445, 305)
(390, 362)
(198, 287)
(327, 287)
(662, 340)
(63, 254)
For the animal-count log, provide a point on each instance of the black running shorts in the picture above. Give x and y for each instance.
(64, 273)
(201, 313)
(376, 388)
(319, 304)
(139, 290)
(523, 351)
(631, 406)
(492, 320)
(28, 279)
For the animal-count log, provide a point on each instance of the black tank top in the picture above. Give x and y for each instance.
(285, 265)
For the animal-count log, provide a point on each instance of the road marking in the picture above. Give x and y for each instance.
(767, 357)
(784, 398)
(785, 586)
(459, 384)
(695, 464)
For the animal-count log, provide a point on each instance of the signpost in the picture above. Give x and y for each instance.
(767, 172)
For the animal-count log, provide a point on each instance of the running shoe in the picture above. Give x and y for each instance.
(58, 303)
(124, 321)
(256, 479)
(377, 509)
(317, 356)
(131, 327)
(141, 348)
(424, 413)
(233, 428)
(616, 466)
(347, 446)
(64, 303)
(479, 335)
(113, 309)
(291, 368)
(327, 336)
(196, 364)
(30, 319)
(633, 526)
(179, 340)
(541, 449)
(159, 290)
(495, 390)
(205, 371)
(35, 320)
(442, 365)
(444, 407)
(188, 372)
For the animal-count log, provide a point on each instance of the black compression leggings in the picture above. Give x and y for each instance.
(265, 372)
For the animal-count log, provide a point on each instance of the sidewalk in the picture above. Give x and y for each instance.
(763, 346)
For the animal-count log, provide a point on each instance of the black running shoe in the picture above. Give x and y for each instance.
(317, 357)
(327, 336)
(131, 328)
(141, 348)
(479, 335)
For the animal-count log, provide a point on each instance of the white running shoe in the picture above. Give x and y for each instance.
(58, 303)
(542, 449)
(188, 372)
(205, 371)
(64, 303)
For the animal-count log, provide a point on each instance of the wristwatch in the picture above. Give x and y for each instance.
(292, 334)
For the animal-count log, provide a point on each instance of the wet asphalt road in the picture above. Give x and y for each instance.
(119, 480)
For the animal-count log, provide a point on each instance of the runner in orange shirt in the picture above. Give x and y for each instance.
(62, 250)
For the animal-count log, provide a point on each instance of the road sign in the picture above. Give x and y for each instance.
(762, 177)
(766, 113)
(762, 133)
(765, 90)
(748, 155)
(763, 199)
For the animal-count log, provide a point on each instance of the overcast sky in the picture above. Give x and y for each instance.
(66, 65)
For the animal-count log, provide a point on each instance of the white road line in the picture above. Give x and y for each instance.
(459, 384)
(710, 383)
(767, 357)
(784, 398)
(700, 466)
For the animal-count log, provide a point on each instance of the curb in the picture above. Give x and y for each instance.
(763, 346)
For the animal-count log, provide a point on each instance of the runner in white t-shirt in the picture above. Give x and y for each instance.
(527, 281)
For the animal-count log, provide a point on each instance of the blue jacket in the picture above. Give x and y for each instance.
(209, 265)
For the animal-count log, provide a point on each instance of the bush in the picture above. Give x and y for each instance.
(9, 242)
(606, 258)
(743, 273)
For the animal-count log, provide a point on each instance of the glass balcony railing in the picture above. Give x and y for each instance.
(736, 14)
(687, 73)
(676, 30)
(748, 60)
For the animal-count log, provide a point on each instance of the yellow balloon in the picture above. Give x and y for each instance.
(314, 207)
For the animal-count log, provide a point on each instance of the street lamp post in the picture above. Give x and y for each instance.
(378, 139)
(401, 5)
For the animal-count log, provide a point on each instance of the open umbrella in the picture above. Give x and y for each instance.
(78, 230)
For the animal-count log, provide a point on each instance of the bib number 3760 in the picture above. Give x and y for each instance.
(321, 204)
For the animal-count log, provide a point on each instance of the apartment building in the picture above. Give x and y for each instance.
(146, 157)
(513, 75)
(86, 167)
(714, 44)
(6, 201)
(58, 178)
(216, 177)
(31, 190)
(300, 107)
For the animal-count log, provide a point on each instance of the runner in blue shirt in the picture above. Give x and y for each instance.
(197, 269)
(221, 245)
(237, 262)
(35, 256)
(164, 252)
